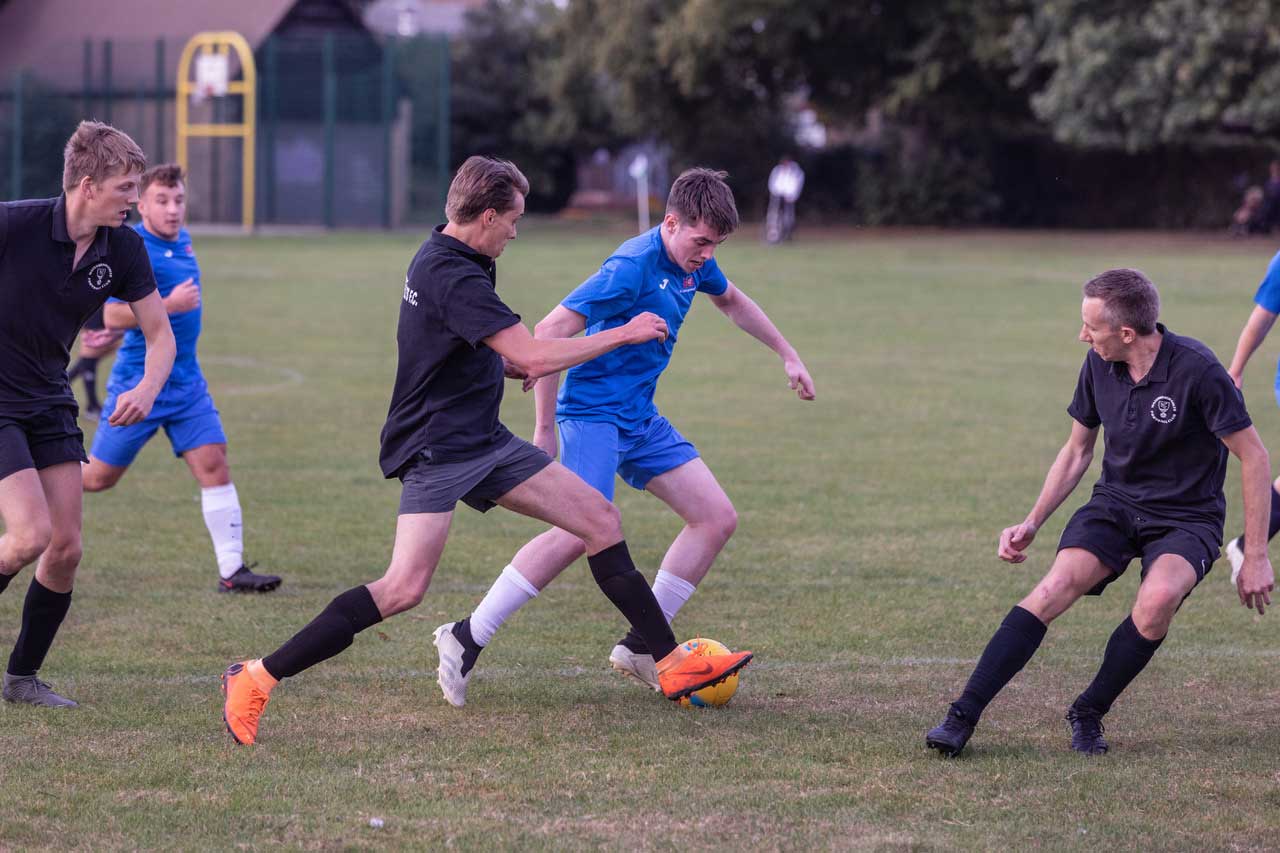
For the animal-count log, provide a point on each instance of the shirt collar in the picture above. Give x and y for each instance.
(664, 259)
(439, 238)
(60, 233)
(1159, 371)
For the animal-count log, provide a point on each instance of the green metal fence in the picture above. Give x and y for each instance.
(343, 138)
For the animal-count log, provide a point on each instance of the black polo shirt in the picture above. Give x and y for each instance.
(44, 301)
(1163, 449)
(448, 384)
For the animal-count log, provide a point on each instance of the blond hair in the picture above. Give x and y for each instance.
(99, 151)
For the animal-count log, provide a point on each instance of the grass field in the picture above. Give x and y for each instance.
(863, 575)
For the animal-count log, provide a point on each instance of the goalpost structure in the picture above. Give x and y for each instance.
(209, 54)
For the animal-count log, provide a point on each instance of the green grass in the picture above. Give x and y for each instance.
(863, 575)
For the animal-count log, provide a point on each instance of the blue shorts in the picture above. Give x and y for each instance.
(190, 422)
(597, 451)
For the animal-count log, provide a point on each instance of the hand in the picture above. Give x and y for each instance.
(798, 378)
(544, 438)
(185, 297)
(132, 406)
(1014, 540)
(511, 371)
(1255, 582)
(645, 327)
(99, 339)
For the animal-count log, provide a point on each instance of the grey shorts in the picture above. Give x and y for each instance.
(438, 486)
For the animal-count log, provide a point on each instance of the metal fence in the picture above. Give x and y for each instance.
(341, 140)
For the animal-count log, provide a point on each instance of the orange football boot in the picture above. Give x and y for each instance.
(247, 686)
(682, 672)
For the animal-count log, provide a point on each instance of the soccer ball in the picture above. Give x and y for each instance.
(717, 694)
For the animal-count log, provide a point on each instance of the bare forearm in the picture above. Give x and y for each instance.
(750, 317)
(544, 401)
(161, 350)
(1255, 483)
(1063, 477)
(553, 356)
(1251, 337)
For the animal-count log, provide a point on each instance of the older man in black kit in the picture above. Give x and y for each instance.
(444, 442)
(60, 259)
(1170, 413)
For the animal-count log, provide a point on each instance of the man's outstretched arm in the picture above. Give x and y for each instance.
(1063, 477)
(750, 317)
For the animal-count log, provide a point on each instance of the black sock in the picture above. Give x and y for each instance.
(618, 579)
(470, 651)
(1128, 652)
(1012, 645)
(89, 374)
(326, 635)
(1274, 526)
(42, 615)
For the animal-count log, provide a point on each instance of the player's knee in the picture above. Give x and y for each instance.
(605, 524)
(725, 522)
(1155, 608)
(30, 541)
(64, 553)
(98, 481)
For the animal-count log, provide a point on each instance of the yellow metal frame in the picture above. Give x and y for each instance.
(247, 88)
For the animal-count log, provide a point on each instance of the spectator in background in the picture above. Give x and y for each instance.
(1271, 198)
(785, 184)
(1250, 217)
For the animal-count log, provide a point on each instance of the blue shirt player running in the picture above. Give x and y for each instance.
(608, 424)
(1265, 310)
(184, 407)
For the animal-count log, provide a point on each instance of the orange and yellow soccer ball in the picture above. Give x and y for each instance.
(717, 694)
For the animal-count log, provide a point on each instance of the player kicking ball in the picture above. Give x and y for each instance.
(1170, 414)
(184, 408)
(610, 427)
(444, 442)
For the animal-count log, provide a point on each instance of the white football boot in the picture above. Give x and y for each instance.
(449, 673)
(632, 665)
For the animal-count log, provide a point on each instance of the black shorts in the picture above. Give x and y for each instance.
(38, 441)
(438, 486)
(1116, 534)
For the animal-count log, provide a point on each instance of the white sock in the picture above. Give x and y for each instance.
(509, 593)
(221, 508)
(672, 592)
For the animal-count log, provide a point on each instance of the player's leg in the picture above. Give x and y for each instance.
(559, 497)
(49, 595)
(1169, 579)
(588, 449)
(1074, 573)
(420, 539)
(27, 528)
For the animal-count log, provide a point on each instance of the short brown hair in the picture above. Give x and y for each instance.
(701, 195)
(166, 175)
(98, 151)
(1128, 297)
(483, 183)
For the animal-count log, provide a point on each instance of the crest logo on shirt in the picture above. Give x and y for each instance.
(1164, 410)
(688, 283)
(99, 276)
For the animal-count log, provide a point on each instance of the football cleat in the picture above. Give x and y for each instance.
(245, 701)
(637, 666)
(950, 736)
(246, 580)
(1235, 556)
(29, 690)
(682, 672)
(449, 673)
(1086, 731)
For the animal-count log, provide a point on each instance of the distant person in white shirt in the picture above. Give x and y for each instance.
(786, 181)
